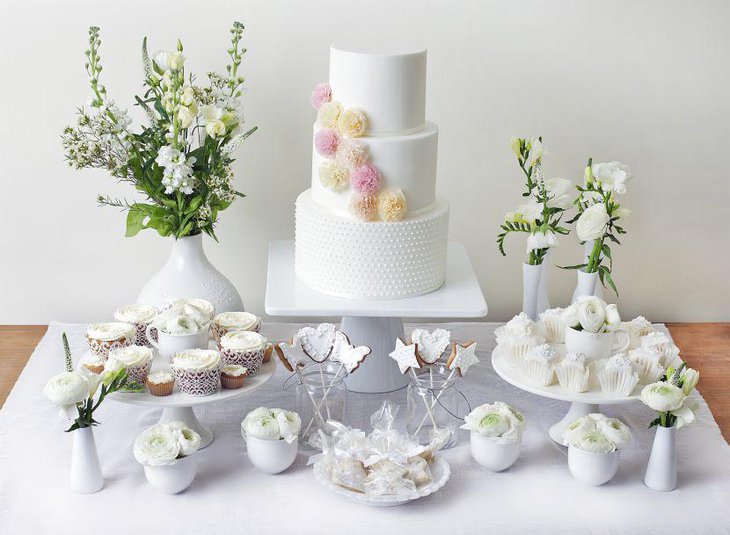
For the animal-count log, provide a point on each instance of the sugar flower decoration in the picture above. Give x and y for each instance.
(352, 123)
(392, 205)
(333, 176)
(366, 179)
(328, 114)
(326, 142)
(364, 207)
(352, 153)
(322, 93)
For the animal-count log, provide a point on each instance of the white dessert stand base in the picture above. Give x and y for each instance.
(179, 407)
(581, 403)
(374, 322)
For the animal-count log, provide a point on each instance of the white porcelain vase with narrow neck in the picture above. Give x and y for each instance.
(661, 472)
(189, 273)
(588, 283)
(86, 475)
(535, 288)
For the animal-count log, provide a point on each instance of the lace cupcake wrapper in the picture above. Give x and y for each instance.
(251, 360)
(101, 348)
(138, 374)
(198, 382)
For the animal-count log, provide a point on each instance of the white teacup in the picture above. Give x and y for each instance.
(271, 456)
(172, 478)
(592, 468)
(493, 456)
(169, 344)
(596, 346)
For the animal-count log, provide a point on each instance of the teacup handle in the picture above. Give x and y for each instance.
(618, 346)
(148, 332)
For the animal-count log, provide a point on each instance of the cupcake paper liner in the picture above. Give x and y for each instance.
(197, 382)
(649, 372)
(516, 352)
(553, 329)
(573, 379)
(619, 383)
(251, 360)
(540, 373)
(101, 348)
(232, 383)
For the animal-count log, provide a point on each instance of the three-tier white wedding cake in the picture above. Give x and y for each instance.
(371, 225)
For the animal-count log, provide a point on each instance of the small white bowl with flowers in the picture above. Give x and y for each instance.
(496, 434)
(272, 438)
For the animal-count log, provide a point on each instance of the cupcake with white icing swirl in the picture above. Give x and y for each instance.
(226, 322)
(140, 316)
(137, 360)
(244, 348)
(103, 337)
(197, 371)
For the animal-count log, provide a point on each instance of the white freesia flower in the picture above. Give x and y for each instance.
(541, 240)
(263, 426)
(188, 439)
(690, 377)
(594, 442)
(535, 154)
(169, 60)
(156, 446)
(92, 378)
(514, 144)
(289, 424)
(592, 223)
(663, 396)
(612, 176)
(530, 211)
(615, 431)
(557, 189)
(613, 319)
(621, 212)
(67, 389)
(591, 313)
(498, 421)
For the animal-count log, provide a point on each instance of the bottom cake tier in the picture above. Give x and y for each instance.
(344, 257)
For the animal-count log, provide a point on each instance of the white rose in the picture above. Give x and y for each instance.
(663, 396)
(289, 423)
(263, 427)
(595, 443)
(156, 446)
(67, 389)
(613, 318)
(592, 223)
(557, 189)
(188, 439)
(541, 240)
(569, 316)
(615, 431)
(188, 96)
(612, 176)
(591, 313)
(215, 128)
(690, 377)
(185, 116)
(169, 60)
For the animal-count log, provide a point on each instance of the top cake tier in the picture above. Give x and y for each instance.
(388, 82)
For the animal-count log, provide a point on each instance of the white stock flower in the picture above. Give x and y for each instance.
(188, 439)
(156, 446)
(613, 319)
(67, 389)
(557, 189)
(178, 171)
(612, 176)
(289, 423)
(592, 223)
(261, 425)
(594, 442)
(541, 240)
(591, 313)
(497, 421)
(663, 396)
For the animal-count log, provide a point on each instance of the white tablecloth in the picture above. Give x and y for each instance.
(537, 495)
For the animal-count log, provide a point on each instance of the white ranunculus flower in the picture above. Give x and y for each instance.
(594, 442)
(497, 421)
(663, 396)
(156, 446)
(541, 240)
(569, 316)
(685, 414)
(530, 211)
(259, 425)
(612, 176)
(578, 429)
(557, 189)
(690, 377)
(592, 223)
(188, 439)
(615, 431)
(185, 116)
(613, 319)
(289, 423)
(591, 313)
(67, 389)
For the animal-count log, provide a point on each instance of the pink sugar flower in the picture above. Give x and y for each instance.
(322, 93)
(326, 142)
(365, 179)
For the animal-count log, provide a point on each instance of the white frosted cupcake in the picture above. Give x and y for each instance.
(517, 337)
(647, 363)
(233, 321)
(197, 371)
(553, 325)
(573, 372)
(202, 310)
(244, 348)
(137, 360)
(160, 383)
(103, 337)
(232, 376)
(637, 327)
(658, 341)
(93, 363)
(618, 376)
(140, 316)
(539, 365)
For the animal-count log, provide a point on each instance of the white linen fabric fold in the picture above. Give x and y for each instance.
(537, 495)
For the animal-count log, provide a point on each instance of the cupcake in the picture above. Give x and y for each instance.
(244, 348)
(539, 365)
(553, 325)
(103, 337)
(647, 363)
(618, 376)
(160, 383)
(517, 337)
(232, 376)
(233, 321)
(137, 360)
(203, 311)
(140, 316)
(573, 372)
(637, 327)
(197, 371)
(93, 363)
(658, 341)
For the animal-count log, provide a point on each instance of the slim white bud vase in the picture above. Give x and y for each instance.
(189, 273)
(588, 283)
(86, 475)
(661, 472)
(534, 289)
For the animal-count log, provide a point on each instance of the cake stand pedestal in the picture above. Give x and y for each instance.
(581, 403)
(375, 323)
(179, 407)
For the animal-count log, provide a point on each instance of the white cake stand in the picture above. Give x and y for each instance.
(375, 323)
(581, 404)
(179, 407)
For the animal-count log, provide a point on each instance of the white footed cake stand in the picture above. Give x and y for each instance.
(581, 404)
(375, 323)
(179, 407)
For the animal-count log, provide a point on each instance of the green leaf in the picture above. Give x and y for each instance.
(135, 221)
(577, 266)
(608, 278)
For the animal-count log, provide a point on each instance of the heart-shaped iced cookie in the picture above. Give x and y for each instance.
(347, 354)
(431, 345)
(317, 342)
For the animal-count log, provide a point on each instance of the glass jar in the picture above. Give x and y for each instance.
(433, 402)
(321, 396)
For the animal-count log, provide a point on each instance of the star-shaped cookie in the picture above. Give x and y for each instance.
(405, 355)
(462, 357)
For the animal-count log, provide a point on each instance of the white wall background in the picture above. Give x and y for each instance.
(645, 82)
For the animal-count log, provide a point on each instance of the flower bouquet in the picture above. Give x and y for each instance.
(166, 452)
(496, 434)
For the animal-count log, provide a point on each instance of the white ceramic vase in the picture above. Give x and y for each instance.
(175, 477)
(593, 468)
(588, 283)
(271, 456)
(661, 472)
(491, 455)
(86, 475)
(535, 288)
(189, 273)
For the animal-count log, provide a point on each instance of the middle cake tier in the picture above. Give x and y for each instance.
(406, 162)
